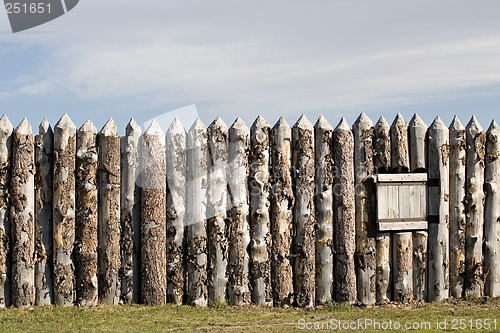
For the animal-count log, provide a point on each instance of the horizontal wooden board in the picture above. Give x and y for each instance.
(395, 226)
(402, 177)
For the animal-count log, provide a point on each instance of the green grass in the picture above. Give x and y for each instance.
(222, 318)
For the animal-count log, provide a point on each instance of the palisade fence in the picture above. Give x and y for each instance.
(270, 216)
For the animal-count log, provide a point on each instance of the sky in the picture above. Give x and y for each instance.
(142, 59)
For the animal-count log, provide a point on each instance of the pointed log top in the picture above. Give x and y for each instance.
(24, 127)
(438, 124)
(281, 123)
(343, 125)
(5, 123)
(44, 127)
(88, 126)
(456, 124)
(474, 126)
(132, 127)
(303, 123)
(260, 122)
(198, 124)
(154, 129)
(398, 121)
(416, 121)
(493, 129)
(363, 119)
(382, 123)
(109, 128)
(323, 123)
(176, 126)
(239, 124)
(218, 122)
(66, 123)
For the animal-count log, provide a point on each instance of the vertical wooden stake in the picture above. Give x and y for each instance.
(344, 212)
(365, 209)
(282, 202)
(86, 215)
(438, 208)
(64, 210)
(238, 214)
(492, 212)
(44, 281)
(457, 208)
(176, 210)
(403, 244)
(216, 209)
(22, 213)
(153, 217)
(130, 214)
(417, 130)
(197, 159)
(109, 214)
(382, 163)
(476, 139)
(260, 235)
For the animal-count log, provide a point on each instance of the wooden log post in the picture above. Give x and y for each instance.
(238, 214)
(22, 212)
(438, 208)
(86, 215)
(176, 210)
(457, 207)
(417, 130)
(6, 129)
(365, 257)
(492, 212)
(323, 133)
(475, 138)
(303, 213)
(197, 158)
(260, 228)
(382, 164)
(282, 202)
(109, 214)
(216, 212)
(44, 282)
(130, 214)
(64, 210)
(153, 217)
(344, 214)
(402, 241)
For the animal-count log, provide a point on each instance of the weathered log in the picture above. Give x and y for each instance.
(22, 213)
(44, 282)
(64, 210)
(492, 212)
(457, 208)
(86, 221)
(176, 210)
(109, 214)
(323, 133)
(344, 212)
(282, 202)
(382, 164)
(365, 256)
(238, 214)
(438, 208)
(197, 158)
(260, 233)
(216, 212)
(417, 130)
(153, 217)
(130, 214)
(402, 241)
(474, 209)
